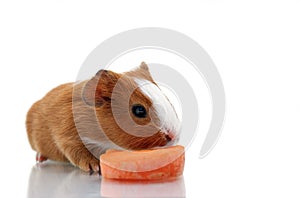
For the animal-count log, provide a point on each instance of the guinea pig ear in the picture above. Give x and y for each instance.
(144, 72)
(98, 90)
(144, 66)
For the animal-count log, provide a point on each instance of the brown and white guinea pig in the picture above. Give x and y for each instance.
(76, 122)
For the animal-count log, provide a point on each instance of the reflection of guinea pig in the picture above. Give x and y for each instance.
(64, 125)
(55, 179)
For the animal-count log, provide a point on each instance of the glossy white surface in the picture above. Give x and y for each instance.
(53, 179)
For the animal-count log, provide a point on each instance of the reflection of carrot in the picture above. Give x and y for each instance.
(144, 164)
(143, 188)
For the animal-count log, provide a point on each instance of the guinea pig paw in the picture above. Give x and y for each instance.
(40, 158)
(94, 167)
(90, 166)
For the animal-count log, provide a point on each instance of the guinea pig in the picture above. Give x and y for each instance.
(77, 122)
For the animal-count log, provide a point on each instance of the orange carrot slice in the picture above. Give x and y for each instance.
(144, 164)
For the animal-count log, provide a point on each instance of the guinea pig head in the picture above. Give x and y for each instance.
(131, 109)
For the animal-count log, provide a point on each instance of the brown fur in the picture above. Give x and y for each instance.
(54, 122)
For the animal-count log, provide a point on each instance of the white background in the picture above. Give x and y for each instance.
(255, 45)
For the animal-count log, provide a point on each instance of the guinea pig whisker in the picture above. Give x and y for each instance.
(155, 142)
(140, 143)
(137, 141)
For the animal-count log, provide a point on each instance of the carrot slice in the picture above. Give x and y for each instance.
(151, 164)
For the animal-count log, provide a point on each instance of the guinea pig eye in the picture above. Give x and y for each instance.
(139, 111)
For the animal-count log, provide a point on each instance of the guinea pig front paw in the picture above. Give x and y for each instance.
(90, 165)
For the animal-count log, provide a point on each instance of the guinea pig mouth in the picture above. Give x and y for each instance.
(169, 135)
(171, 141)
(168, 139)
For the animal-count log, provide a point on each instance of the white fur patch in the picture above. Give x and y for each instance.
(164, 109)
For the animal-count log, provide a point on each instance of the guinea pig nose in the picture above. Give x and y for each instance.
(170, 135)
(168, 138)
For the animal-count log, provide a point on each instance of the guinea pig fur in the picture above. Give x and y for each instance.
(76, 122)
